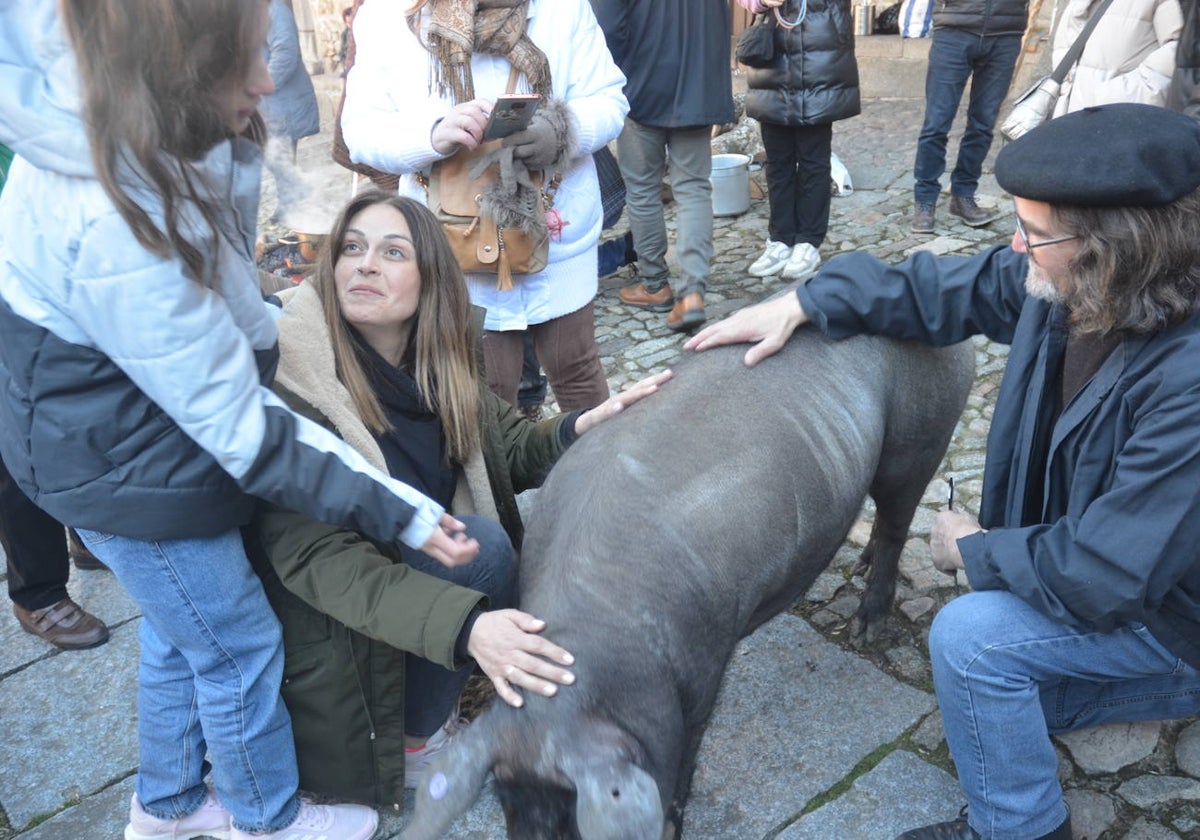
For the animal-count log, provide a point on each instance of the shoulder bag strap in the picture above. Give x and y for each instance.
(1076, 50)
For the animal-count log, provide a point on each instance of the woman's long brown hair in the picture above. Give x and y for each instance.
(149, 70)
(441, 339)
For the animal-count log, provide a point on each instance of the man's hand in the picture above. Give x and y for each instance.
(770, 324)
(449, 544)
(507, 647)
(948, 528)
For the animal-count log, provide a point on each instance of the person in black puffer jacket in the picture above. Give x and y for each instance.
(811, 82)
(977, 40)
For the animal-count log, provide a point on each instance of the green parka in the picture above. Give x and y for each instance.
(349, 608)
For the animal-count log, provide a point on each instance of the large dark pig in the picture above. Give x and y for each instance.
(666, 535)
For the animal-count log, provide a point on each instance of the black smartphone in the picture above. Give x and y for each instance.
(512, 113)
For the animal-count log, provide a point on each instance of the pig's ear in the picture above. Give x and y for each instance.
(615, 799)
(453, 781)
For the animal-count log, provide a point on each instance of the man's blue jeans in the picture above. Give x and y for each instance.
(211, 667)
(954, 57)
(1007, 678)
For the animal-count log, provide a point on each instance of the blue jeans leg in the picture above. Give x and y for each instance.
(1007, 678)
(211, 667)
(991, 74)
(430, 691)
(945, 80)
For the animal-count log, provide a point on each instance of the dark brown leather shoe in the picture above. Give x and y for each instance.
(970, 212)
(922, 220)
(80, 555)
(688, 313)
(66, 625)
(637, 295)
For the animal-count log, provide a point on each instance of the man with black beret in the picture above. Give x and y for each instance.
(1083, 563)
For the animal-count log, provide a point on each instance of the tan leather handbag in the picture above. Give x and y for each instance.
(479, 244)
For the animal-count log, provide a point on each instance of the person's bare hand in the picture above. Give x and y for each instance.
(772, 4)
(948, 528)
(449, 543)
(462, 128)
(768, 324)
(507, 647)
(617, 403)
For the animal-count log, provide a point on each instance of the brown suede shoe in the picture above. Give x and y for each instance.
(659, 301)
(66, 625)
(80, 555)
(688, 313)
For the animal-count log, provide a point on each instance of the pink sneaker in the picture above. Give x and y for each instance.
(322, 822)
(209, 820)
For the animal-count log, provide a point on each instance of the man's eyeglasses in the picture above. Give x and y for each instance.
(1029, 246)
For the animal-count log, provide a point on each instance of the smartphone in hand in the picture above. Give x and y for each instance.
(512, 113)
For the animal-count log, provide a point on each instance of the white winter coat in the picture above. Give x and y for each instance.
(391, 106)
(1129, 57)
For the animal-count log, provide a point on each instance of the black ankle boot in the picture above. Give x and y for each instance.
(956, 829)
(1063, 832)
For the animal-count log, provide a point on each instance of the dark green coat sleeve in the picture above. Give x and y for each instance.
(350, 579)
(359, 583)
(528, 449)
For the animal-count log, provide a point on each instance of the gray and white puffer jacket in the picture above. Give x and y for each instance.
(133, 399)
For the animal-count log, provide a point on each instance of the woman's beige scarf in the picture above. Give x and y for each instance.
(457, 29)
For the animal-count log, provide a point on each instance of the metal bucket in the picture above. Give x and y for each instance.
(864, 18)
(730, 184)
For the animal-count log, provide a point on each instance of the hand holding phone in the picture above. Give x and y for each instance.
(511, 113)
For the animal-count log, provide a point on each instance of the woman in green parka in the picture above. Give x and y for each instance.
(380, 346)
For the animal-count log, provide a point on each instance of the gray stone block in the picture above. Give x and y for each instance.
(796, 714)
(1187, 750)
(1110, 747)
(101, 816)
(69, 727)
(899, 793)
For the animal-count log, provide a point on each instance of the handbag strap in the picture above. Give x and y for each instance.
(1076, 50)
(792, 24)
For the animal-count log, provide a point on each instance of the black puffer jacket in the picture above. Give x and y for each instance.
(982, 17)
(814, 77)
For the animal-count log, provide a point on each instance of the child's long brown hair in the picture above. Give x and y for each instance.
(149, 70)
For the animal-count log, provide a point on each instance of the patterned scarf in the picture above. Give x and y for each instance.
(458, 29)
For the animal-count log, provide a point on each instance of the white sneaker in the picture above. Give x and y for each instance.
(803, 263)
(322, 822)
(772, 260)
(416, 763)
(209, 820)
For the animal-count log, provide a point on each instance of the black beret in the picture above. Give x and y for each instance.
(1120, 155)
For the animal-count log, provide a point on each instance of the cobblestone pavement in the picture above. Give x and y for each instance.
(68, 750)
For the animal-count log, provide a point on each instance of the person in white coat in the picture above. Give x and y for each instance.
(1129, 57)
(422, 87)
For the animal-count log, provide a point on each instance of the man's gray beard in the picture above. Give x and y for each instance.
(1037, 286)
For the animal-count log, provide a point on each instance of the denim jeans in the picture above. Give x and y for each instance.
(211, 667)
(954, 57)
(431, 691)
(642, 152)
(1007, 678)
